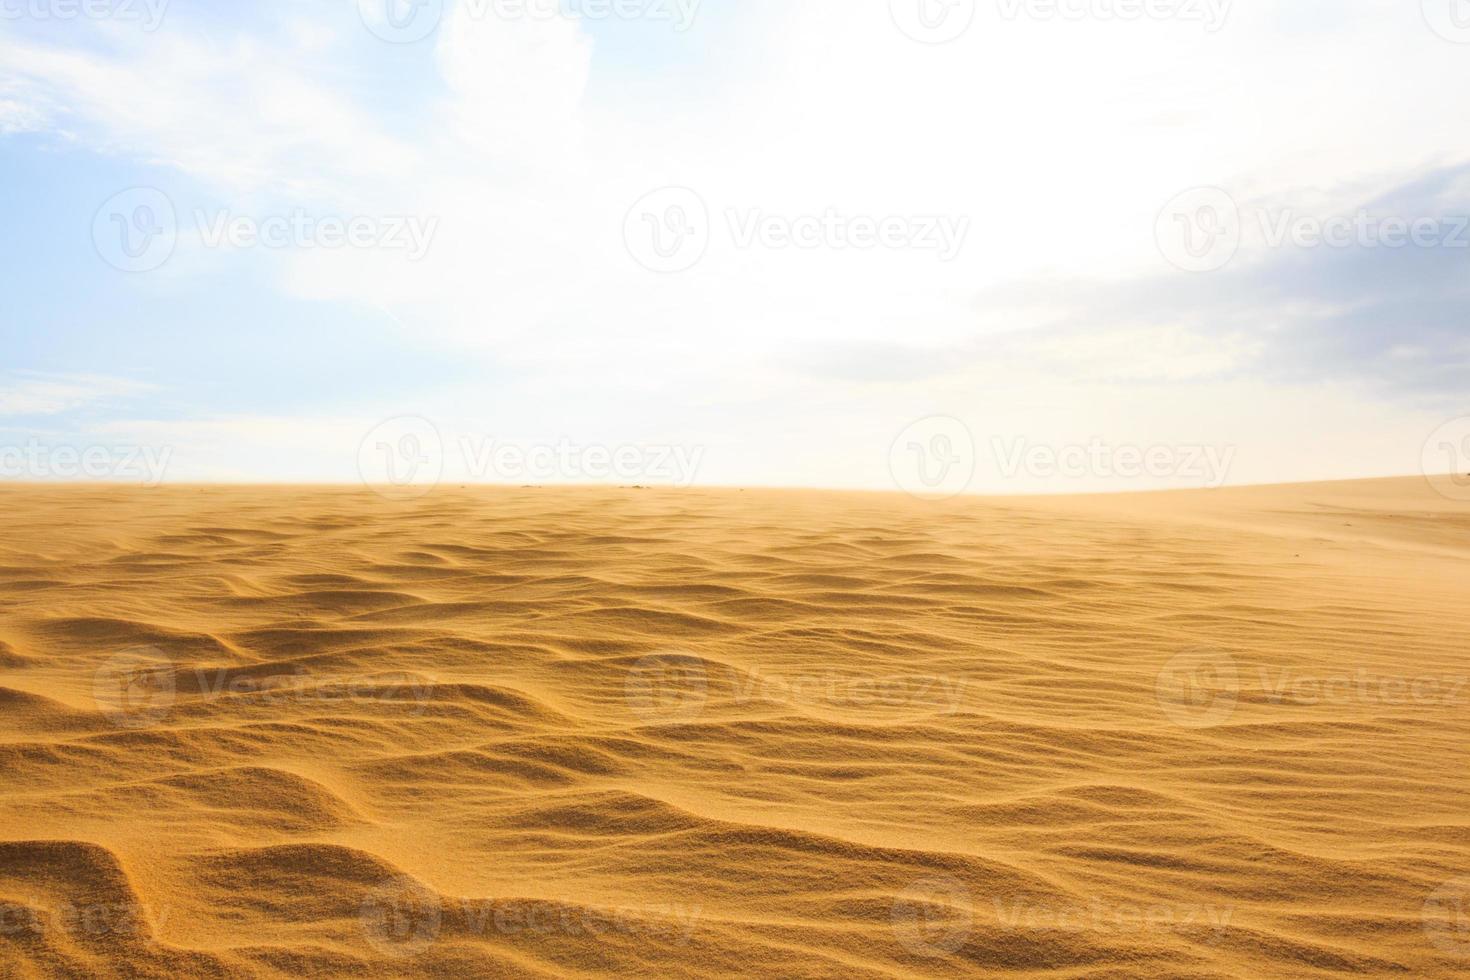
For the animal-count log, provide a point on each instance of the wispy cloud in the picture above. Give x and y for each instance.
(35, 394)
(238, 115)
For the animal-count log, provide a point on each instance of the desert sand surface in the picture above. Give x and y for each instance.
(287, 732)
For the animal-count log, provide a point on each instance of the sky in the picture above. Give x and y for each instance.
(940, 246)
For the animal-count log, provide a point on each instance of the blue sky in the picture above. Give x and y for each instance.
(526, 150)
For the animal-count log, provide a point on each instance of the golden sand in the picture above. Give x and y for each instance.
(286, 732)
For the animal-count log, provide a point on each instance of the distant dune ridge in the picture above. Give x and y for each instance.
(285, 732)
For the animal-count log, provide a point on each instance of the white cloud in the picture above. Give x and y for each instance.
(515, 85)
(238, 116)
(21, 111)
(30, 393)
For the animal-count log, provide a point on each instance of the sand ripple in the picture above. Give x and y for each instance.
(310, 732)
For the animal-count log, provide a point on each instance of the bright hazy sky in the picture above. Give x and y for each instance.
(576, 229)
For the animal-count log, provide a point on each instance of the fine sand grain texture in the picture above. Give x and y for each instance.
(288, 732)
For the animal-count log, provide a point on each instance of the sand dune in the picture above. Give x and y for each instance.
(283, 732)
